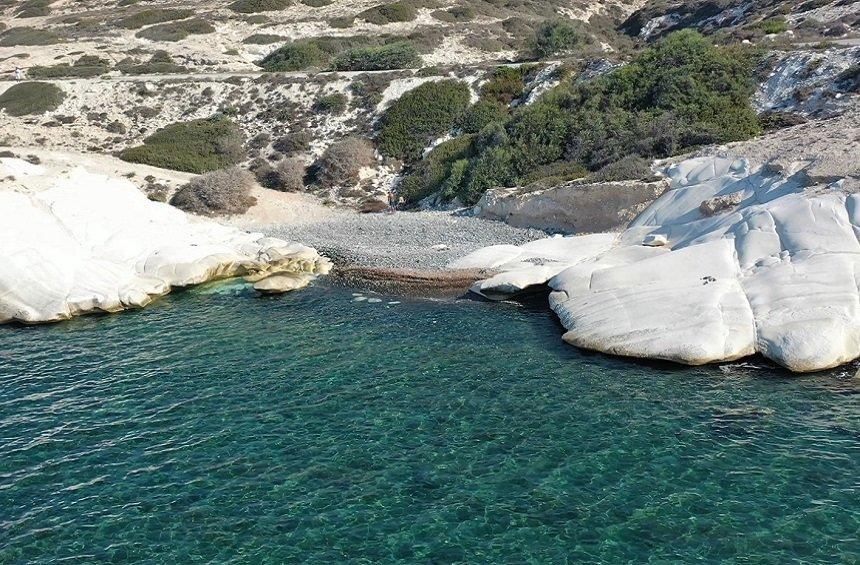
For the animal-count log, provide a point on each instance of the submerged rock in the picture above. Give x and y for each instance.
(767, 266)
(76, 242)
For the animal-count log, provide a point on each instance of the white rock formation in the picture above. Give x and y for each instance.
(774, 272)
(75, 242)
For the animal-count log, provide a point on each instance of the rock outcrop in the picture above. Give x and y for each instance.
(76, 242)
(574, 207)
(771, 269)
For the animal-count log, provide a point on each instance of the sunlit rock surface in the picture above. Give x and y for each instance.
(771, 269)
(576, 207)
(75, 242)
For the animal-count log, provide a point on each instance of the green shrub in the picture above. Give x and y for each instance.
(334, 103)
(776, 24)
(257, 6)
(505, 84)
(389, 13)
(31, 98)
(86, 66)
(455, 14)
(27, 36)
(481, 114)
(429, 175)
(629, 167)
(342, 22)
(153, 16)
(400, 55)
(556, 36)
(218, 192)
(262, 39)
(176, 31)
(195, 147)
(296, 56)
(552, 174)
(310, 53)
(680, 93)
(419, 116)
(160, 63)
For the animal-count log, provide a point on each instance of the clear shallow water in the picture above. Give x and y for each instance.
(310, 427)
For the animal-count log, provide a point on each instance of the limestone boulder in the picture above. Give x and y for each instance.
(767, 266)
(76, 242)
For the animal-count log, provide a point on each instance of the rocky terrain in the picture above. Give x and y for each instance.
(125, 70)
(77, 241)
(753, 249)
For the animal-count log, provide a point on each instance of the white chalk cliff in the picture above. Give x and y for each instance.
(73, 242)
(737, 257)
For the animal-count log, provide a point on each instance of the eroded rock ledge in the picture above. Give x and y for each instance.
(75, 242)
(772, 270)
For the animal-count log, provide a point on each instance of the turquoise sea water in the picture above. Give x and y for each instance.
(308, 427)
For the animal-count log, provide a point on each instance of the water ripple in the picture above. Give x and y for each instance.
(229, 428)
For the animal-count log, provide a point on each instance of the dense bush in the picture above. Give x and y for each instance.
(262, 39)
(340, 163)
(176, 31)
(197, 146)
(31, 98)
(86, 66)
(310, 53)
(481, 114)
(257, 6)
(218, 192)
(506, 84)
(773, 25)
(629, 167)
(389, 13)
(153, 16)
(429, 174)
(401, 55)
(288, 175)
(334, 103)
(296, 56)
(556, 36)
(680, 93)
(294, 142)
(27, 36)
(350, 53)
(160, 63)
(419, 116)
(455, 14)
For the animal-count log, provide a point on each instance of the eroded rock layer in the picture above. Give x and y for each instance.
(772, 269)
(76, 242)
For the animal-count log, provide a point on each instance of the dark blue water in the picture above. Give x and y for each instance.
(308, 427)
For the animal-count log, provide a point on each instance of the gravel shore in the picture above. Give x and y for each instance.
(403, 240)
